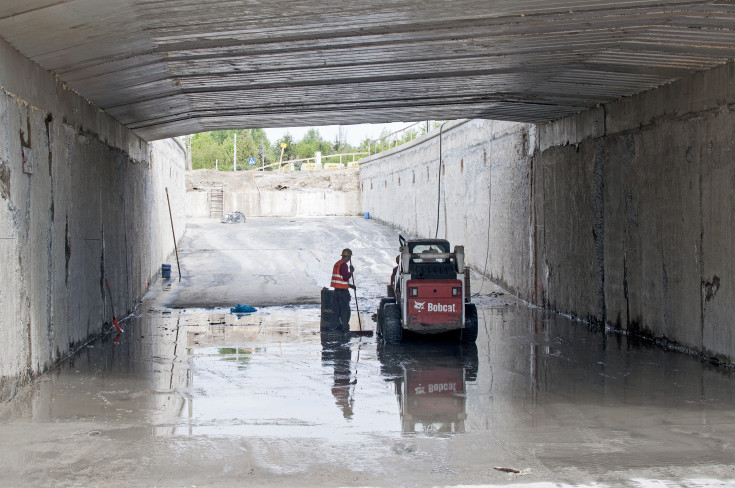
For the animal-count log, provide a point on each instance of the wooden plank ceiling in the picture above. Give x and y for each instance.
(173, 67)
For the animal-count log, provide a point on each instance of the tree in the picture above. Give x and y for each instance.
(218, 145)
(205, 150)
(246, 148)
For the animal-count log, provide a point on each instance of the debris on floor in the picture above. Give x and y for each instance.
(243, 309)
(233, 218)
(507, 470)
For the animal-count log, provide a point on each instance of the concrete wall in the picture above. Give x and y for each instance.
(93, 207)
(654, 198)
(288, 203)
(332, 192)
(485, 200)
(622, 215)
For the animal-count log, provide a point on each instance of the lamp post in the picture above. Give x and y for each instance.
(283, 146)
(234, 162)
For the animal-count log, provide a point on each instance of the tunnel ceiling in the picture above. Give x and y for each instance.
(173, 67)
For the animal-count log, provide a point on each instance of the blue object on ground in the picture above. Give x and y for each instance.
(367, 215)
(242, 309)
(165, 271)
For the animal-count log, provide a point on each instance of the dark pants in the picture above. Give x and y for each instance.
(342, 309)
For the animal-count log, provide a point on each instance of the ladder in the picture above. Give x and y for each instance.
(215, 203)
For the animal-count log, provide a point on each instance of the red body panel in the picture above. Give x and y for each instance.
(434, 398)
(434, 309)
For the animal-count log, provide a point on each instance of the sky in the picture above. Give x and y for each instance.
(354, 134)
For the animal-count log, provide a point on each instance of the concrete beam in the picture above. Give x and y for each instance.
(172, 68)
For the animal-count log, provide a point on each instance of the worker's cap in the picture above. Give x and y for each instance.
(346, 252)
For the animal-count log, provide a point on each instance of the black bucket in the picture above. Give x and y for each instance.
(329, 317)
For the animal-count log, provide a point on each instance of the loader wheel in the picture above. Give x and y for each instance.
(469, 360)
(469, 333)
(381, 314)
(393, 330)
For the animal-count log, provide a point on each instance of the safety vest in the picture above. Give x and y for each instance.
(337, 280)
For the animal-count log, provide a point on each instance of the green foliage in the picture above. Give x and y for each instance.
(216, 148)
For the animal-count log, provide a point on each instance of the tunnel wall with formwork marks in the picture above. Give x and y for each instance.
(82, 199)
(622, 215)
(485, 199)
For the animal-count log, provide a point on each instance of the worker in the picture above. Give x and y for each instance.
(393, 278)
(341, 275)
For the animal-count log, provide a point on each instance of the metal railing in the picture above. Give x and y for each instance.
(280, 164)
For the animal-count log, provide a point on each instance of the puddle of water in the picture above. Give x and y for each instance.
(217, 393)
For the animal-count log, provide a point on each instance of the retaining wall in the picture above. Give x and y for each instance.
(622, 215)
(485, 199)
(81, 200)
(286, 203)
(329, 192)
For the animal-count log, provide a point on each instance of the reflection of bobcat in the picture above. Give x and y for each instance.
(419, 306)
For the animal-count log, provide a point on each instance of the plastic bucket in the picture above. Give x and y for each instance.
(166, 271)
(367, 215)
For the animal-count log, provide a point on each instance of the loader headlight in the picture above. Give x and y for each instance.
(413, 291)
(456, 291)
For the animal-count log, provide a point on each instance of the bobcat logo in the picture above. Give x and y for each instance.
(419, 306)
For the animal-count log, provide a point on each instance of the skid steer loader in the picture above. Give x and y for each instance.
(430, 294)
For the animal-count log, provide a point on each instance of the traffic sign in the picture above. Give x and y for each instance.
(251, 161)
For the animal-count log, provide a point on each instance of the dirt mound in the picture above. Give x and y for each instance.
(346, 179)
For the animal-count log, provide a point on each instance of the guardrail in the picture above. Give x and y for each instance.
(312, 161)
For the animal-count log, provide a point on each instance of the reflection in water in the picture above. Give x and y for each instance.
(256, 402)
(430, 381)
(337, 353)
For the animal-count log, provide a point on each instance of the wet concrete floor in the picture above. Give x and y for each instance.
(203, 397)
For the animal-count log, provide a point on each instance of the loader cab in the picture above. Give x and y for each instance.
(432, 263)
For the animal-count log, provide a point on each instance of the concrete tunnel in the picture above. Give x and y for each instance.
(588, 168)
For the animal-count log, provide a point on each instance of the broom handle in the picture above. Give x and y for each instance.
(359, 321)
(174, 233)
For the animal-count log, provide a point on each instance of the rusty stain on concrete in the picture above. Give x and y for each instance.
(26, 142)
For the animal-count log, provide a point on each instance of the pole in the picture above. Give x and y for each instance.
(174, 234)
(357, 307)
(262, 155)
(234, 162)
(188, 152)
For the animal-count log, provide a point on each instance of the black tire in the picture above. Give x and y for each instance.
(381, 314)
(469, 333)
(393, 330)
(469, 360)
